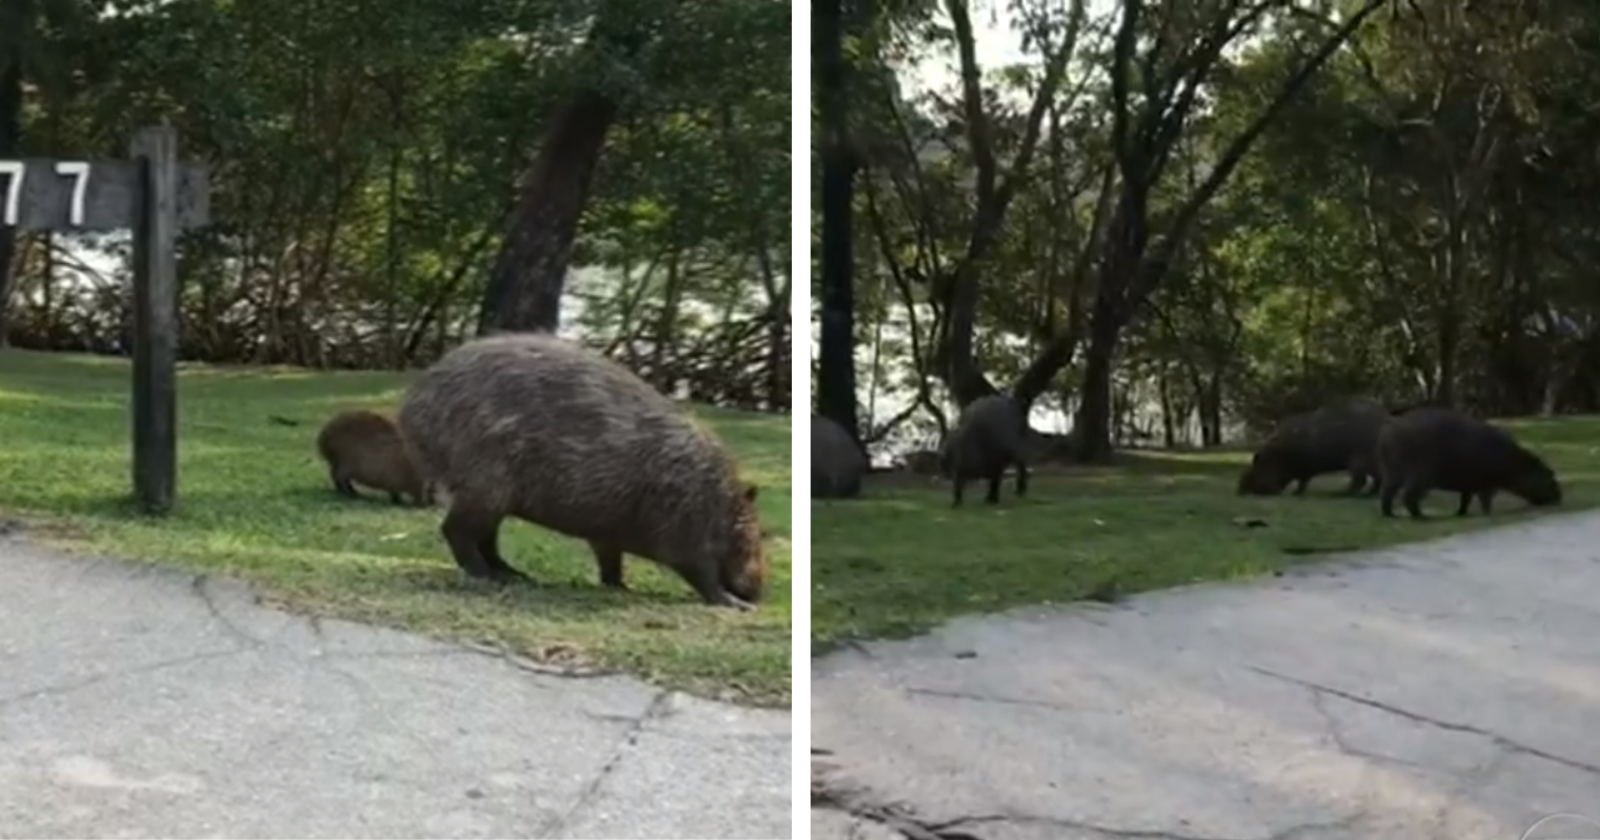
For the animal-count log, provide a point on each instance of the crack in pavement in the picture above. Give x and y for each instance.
(985, 698)
(656, 709)
(1450, 726)
(70, 686)
(901, 821)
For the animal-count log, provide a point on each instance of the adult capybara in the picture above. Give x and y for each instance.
(988, 437)
(837, 463)
(365, 447)
(1341, 437)
(1439, 448)
(530, 426)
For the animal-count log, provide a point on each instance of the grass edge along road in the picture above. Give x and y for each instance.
(899, 560)
(255, 503)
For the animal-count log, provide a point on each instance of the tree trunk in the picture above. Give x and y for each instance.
(10, 147)
(530, 272)
(1092, 427)
(836, 376)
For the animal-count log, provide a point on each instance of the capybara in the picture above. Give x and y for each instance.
(1335, 438)
(837, 463)
(1439, 448)
(365, 447)
(988, 437)
(531, 426)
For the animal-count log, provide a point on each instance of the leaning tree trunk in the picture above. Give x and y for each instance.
(10, 146)
(836, 375)
(530, 272)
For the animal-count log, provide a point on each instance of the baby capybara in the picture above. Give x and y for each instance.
(1440, 448)
(531, 426)
(988, 437)
(364, 447)
(1335, 438)
(837, 462)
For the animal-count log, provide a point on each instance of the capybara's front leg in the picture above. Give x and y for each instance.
(708, 585)
(1022, 479)
(993, 496)
(609, 558)
(1466, 502)
(960, 485)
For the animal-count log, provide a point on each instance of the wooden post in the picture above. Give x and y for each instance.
(155, 321)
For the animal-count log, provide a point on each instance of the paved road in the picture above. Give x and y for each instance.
(141, 702)
(1443, 691)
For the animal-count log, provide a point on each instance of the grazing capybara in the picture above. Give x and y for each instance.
(531, 426)
(988, 437)
(837, 463)
(1341, 437)
(365, 447)
(1441, 449)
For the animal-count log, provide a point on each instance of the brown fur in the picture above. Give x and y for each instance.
(530, 426)
(989, 436)
(1341, 437)
(1438, 448)
(364, 447)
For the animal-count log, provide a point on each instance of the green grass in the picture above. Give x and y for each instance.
(254, 502)
(899, 560)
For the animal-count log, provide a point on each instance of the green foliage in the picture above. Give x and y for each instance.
(363, 159)
(1416, 223)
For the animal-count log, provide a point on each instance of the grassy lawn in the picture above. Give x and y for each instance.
(254, 502)
(900, 560)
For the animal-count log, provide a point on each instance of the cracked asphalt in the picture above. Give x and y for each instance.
(137, 701)
(1446, 690)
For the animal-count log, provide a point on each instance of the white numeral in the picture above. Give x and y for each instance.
(79, 172)
(14, 171)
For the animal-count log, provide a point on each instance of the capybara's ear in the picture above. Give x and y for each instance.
(750, 492)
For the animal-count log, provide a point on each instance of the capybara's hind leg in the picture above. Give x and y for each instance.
(489, 547)
(993, 496)
(960, 485)
(1386, 493)
(465, 535)
(1466, 502)
(1412, 496)
(395, 498)
(609, 559)
(341, 483)
(1022, 479)
(708, 585)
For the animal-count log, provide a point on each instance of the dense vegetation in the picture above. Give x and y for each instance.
(386, 180)
(1173, 219)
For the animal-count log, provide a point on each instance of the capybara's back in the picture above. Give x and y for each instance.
(1336, 437)
(365, 447)
(837, 463)
(531, 426)
(1440, 448)
(988, 437)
